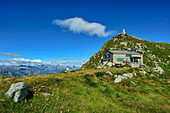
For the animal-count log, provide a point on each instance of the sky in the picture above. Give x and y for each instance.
(69, 32)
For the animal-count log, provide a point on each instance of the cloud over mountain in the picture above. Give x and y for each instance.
(79, 25)
(16, 61)
(23, 61)
(66, 63)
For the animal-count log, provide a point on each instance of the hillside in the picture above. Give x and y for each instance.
(154, 53)
(91, 90)
(103, 90)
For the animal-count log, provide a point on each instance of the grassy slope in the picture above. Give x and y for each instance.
(88, 91)
(160, 53)
(84, 91)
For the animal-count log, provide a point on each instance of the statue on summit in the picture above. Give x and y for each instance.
(123, 31)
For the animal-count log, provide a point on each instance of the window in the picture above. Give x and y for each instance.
(120, 59)
(109, 55)
(135, 60)
(108, 60)
(105, 56)
(128, 55)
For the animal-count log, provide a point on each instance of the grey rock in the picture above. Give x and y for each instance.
(110, 64)
(119, 78)
(156, 64)
(158, 70)
(108, 72)
(135, 74)
(161, 71)
(143, 71)
(152, 75)
(132, 82)
(145, 46)
(18, 91)
(128, 75)
(20, 95)
(123, 43)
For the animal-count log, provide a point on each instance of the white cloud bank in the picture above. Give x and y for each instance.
(19, 61)
(70, 63)
(22, 61)
(79, 25)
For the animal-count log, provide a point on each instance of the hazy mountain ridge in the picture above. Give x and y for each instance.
(24, 70)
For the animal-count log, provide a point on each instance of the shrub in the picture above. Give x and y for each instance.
(100, 74)
(109, 90)
(90, 81)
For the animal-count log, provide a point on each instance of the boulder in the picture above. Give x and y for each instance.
(17, 91)
(110, 64)
(128, 75)
(119, 78)
(158, 70)
(145, 46)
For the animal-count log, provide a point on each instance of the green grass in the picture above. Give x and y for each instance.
(90, 91)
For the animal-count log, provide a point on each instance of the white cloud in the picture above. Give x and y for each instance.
(22, 61)
(16, 61)
(79, 25)
(71, 63)
(10, 54)
(71, 58)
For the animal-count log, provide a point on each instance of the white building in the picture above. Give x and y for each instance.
(122, 57)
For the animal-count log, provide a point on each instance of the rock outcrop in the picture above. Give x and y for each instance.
(17, 91)
(119, 78)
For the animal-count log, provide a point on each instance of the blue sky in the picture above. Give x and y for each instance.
(28, 30)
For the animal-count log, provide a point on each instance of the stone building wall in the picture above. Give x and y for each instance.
(122, 58)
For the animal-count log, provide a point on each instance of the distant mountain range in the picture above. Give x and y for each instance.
(24, 70)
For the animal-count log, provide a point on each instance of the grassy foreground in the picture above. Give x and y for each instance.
(89, 91)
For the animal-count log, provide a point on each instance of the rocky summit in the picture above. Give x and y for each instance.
(156, 55)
